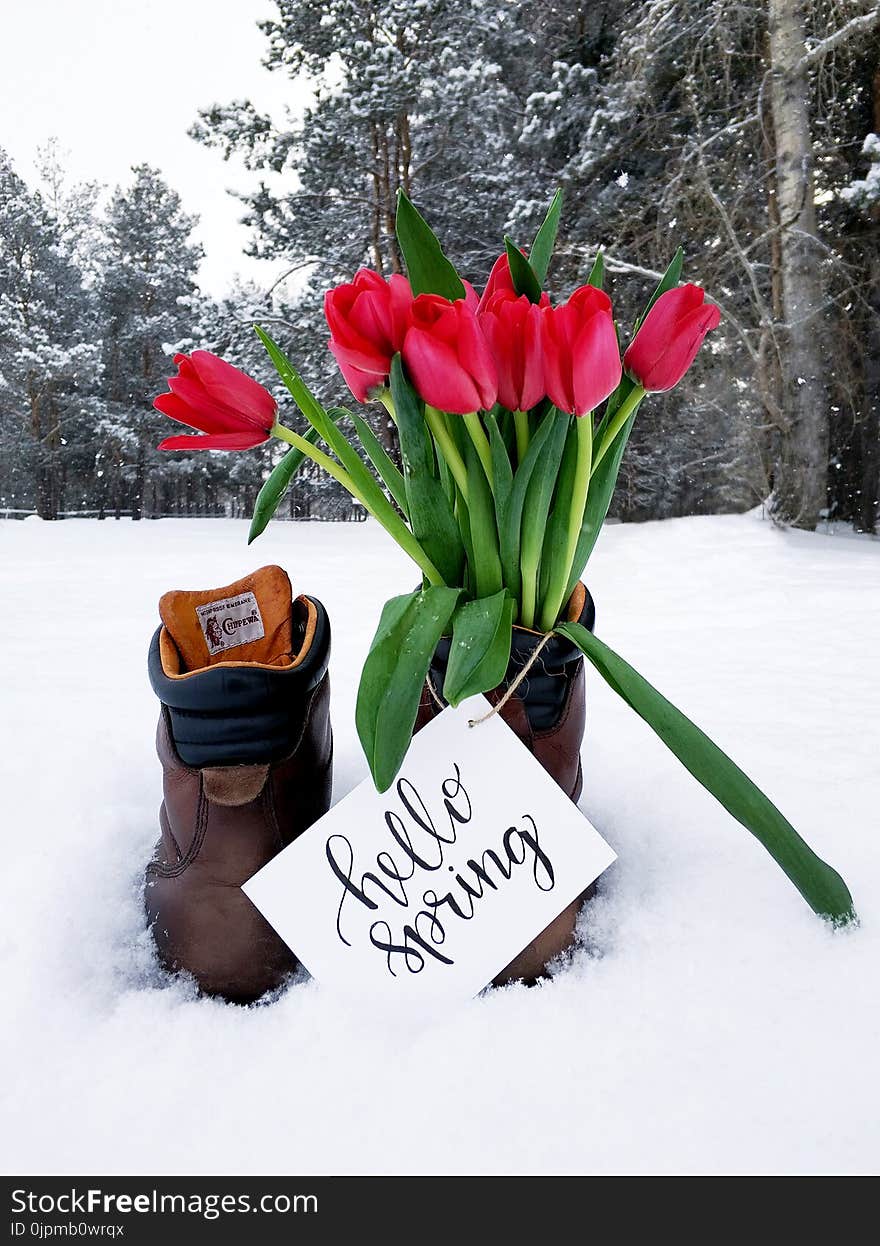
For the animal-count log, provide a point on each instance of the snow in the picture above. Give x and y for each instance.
(710, 1024)
(866, 191)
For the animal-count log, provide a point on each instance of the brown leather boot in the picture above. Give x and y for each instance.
(246, 747)
(548, 713)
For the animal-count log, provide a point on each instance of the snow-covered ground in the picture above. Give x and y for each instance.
(711, 1023)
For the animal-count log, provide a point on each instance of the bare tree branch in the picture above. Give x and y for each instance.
(856, 26)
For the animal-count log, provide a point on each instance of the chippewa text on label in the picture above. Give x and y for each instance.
(230, 622)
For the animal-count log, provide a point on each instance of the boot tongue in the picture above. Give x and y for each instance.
(248, 621)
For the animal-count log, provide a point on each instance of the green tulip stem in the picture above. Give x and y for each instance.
(555, 599)
(436, 422)
(481, 444)
(387, 516)
(529, 590)
(521, 422)
(384, 396)
(620, 417)
(529, 561)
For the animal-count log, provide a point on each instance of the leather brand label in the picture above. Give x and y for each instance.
(231, 622)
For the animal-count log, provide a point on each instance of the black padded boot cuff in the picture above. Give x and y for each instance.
(242, 714)
(544, 689)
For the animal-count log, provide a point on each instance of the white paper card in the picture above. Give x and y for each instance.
(427, 891)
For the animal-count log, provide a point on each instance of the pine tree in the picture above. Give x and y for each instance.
(405, 97)
(146, 298)
(667, 131)
(855, 431)
(49, 349)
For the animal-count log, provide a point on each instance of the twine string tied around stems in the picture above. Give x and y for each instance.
(508, 692)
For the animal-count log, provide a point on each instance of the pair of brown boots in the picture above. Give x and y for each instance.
(246, 748)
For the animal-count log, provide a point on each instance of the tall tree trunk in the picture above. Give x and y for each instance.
(140, 480)
(45, 492)
(376, 213)
(769, 372)
(801, 482)
(868, 509)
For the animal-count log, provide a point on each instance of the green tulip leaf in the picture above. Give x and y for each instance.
(668, 281)
(360, 480)
(510, 506)
(388, 471)
(502, 471)
(545, 239)
(394, 674)
(428, 269)
(597, 272)
(523, 275)
(556, 536)
(540, 491)
(820, 885)
(480, 652)
(602, 483)
(433, 522)
(464, 523)
(277, 483)
(483, 526)
(371, 493)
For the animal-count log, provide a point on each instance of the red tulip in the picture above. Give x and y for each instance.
(208, 393)
(512, 327)
(500, 279)
(669, 337)
(448, 357)
(368, 319)
(581, 356)
(471, 298)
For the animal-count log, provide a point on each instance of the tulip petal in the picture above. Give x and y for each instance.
(667, 342)
(596, 367)
(682, 349)
(557, 363)
(671, 307)
(476, 357)
(185, 368)
(501, 338)
(581, 354)
(437, 374)
(359, 380)
(176, 409)
(401, 304)
(499, 279)
(215, 441)
(370, 321)
(206, 413)
(362, 334)
(658, 329)
(234, 389)
(532, 387)
(512, 328)
(360, 353)
(337, 304)
(471, 298)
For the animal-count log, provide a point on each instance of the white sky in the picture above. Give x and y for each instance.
(119, 82)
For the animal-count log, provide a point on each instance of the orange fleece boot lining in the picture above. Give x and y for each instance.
(242, 624)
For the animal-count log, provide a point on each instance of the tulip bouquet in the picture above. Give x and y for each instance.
(512, 417)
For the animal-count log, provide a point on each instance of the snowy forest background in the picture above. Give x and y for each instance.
(747, 130)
